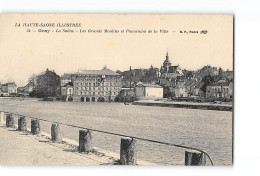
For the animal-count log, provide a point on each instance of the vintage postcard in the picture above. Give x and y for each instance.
(116, 89)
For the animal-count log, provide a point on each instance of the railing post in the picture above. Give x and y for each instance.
(85, 141)
(10, 120)
(55, 132)
(128, 154)
(2, 117)
(195, 158)
(22, 125)
(35, 127)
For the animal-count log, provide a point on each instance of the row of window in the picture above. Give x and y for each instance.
(99, 79)
(220, 90)
(98, 88)
(96, 93)
(97, 84)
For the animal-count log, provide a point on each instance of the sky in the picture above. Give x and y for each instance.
(25, 53)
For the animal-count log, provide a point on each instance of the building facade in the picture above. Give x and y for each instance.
(65, 78)
(180, 90)
(67, 92)
(8, 89)
(221, 89)
(95, 85)
(148, 91)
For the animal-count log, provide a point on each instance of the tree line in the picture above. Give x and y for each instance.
(46, 84)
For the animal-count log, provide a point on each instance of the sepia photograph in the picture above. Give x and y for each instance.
(116, 89)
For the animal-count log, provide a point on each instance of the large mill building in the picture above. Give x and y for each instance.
(91, 85)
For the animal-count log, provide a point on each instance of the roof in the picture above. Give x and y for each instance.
(68, 84)
(172, 69)
(165, 82)
(189, 83)
(148, 85)
(9, 84)
(199, 85)
(221, 84)
(104, 71)
(66, 76)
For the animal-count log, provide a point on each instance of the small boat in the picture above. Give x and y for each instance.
(47, 99)
(126, 103)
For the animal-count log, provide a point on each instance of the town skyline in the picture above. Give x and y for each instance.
(22, 81)
(26, 53)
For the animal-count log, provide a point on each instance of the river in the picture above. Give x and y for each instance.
(204, 129)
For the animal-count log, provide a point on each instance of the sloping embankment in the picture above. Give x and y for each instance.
(186, 105)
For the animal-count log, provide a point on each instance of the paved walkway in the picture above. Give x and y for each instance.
(18, 148)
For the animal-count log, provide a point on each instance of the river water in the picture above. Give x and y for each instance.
(208, 130)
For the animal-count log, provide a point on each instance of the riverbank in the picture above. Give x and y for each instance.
(19, 148)
(188, 105)
(207, 130)
(23, 148)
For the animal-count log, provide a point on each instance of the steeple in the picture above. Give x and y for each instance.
(167, 62)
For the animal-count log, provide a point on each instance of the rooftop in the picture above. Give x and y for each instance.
(68, 84)
(221, 84)
(104, 71)
(148, 85)
(66, 76)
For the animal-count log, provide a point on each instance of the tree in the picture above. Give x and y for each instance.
(32, 80)
(151, 72)
(189, 74)
(220, 73)
(207, 80)
(47, 84)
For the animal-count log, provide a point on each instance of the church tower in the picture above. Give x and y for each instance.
(166, 63)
